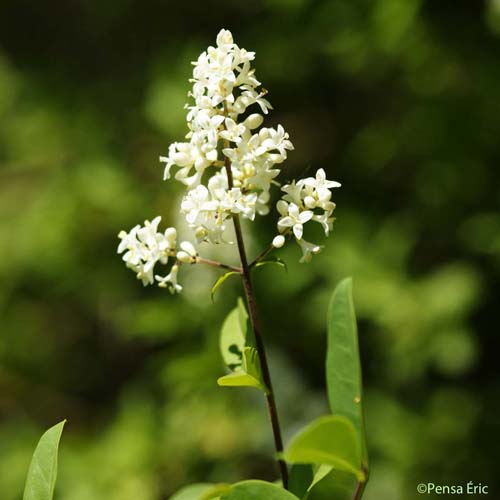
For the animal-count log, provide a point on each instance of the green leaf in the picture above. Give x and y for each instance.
(193, 492)
(248, 375)
(233, 336)
(300, 478)
(343, 367)
(273, 260)
(219, 282)
(336, 485)
(257, 490)
(321, 472)
(330, 440)
(42, 474)
(215, 491)
(304, 477)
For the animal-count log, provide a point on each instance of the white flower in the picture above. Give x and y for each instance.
(325, 220)
(170, 280)
(233, 131)
(197, 201)
(308, 250)
(293, 218)
(316, 191)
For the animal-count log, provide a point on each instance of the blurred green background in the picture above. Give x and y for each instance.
(399, 100)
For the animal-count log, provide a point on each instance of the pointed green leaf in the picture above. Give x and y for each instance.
(248, 375)
(343, 367)
(304, 477)
(330, 440)
(251, 364)
(233, 336)
(257, 490)
(42, 474)
(219, 282)
(321, 472)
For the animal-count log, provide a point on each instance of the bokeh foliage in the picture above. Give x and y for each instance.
(396, 99)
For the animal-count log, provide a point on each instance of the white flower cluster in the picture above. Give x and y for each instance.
(306, 200)
(228, 166)
(224, 87)
(144, 247)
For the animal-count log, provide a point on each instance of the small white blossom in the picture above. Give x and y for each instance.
(308, 250)
(319, 187)
(293, 218)
(170, 281)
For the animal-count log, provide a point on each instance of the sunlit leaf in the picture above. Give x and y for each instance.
(329, 440)
(343, 367)
(193, 492)
(215, 491)
(42, 474)
(248, 375)
(321, 472)
(257, 490)
(233, 336)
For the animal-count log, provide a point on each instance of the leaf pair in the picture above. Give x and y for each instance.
(238, 351)
(329, 456)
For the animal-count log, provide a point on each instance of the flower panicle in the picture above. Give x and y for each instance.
(224, 87)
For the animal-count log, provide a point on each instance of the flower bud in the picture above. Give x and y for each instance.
(309, 202)
(253, 121)
(188, 248)
(278, 241)
(184, 257)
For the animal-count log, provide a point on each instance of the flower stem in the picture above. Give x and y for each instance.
(360, 487)
(263, 255)
(259, 341)
(220, 265)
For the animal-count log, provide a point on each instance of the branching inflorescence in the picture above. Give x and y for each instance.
(228, 164)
